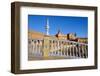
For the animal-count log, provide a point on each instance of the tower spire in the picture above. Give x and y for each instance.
(59, 31)
(47, 22)
(47, 27)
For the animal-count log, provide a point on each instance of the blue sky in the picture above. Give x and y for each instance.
(66, 24)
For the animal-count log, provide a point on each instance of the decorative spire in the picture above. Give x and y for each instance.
(47, 22)
(47, 27)
(59, 31)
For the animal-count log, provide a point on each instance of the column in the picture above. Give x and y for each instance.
(83, 51)
(73, 49)
(32, 47)
(86, 51)
(41, 47)
(39, 51)
(70, 49)
(46, 46)
(79, 50)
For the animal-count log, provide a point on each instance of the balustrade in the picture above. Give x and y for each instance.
(59, 48)
(36, 47)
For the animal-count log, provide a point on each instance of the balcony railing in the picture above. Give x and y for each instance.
(57, 48)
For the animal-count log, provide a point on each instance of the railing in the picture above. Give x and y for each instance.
(69, 49)
(35, 47)
(58, 48)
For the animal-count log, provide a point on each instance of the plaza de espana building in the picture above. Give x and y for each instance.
(70, 36)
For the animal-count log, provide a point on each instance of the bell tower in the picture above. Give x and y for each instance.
(47, 27)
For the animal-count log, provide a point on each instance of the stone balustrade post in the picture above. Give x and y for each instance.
(46, 46)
